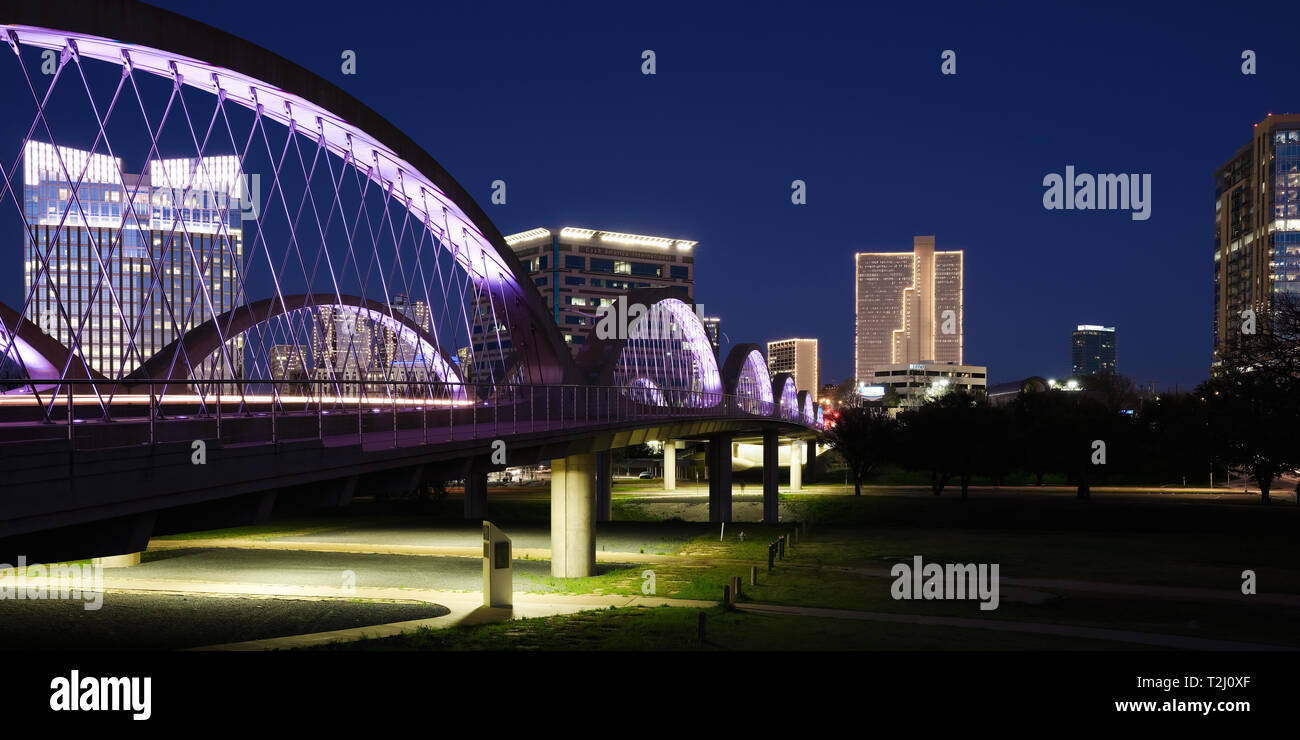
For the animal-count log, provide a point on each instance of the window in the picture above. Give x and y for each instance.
(575, 320)
(601, 265)
(622, 268)
(570, 280)
(575, 262)
(646, 269)
(680, 272)
(540, 281)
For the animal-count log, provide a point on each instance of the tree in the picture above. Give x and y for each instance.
(1253, 402)
(940, 437)
(863, 437)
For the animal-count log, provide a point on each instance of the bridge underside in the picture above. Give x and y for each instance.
(64, 504)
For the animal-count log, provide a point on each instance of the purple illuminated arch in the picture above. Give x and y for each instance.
(175, 361)
(433, 209)
(783, 389)
(806, 407)
(745, 376)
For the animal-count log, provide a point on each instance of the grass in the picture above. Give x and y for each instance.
(670, 628)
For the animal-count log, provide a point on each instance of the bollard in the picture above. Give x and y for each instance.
(735, 589)
(726, 595)
(780, 543)
(771, 554)
(753, 575)
(701, 629)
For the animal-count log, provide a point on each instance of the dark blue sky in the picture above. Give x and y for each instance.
(549, 97)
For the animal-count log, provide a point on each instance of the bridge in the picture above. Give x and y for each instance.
(246, 291)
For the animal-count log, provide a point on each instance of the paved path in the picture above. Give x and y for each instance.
(476, 551)
(1176, 642)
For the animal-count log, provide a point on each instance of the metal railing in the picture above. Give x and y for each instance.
(375, 413)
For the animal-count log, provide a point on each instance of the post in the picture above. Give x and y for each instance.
(475, 494)
(573, 526)
(670, 465)
(719, 462)
(796, 465)
(753, 575)
(771, 473)
(604, 486)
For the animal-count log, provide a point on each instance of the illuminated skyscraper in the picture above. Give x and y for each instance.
(908, 307)
(1092, 350)
(799, 358)
(1256, 227)
(121, 265)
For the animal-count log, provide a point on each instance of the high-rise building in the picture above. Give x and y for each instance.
(1092, 350)
(121, 265)
(799, 358)
(713, 327)
(579, 270)
(1256, 228)
(908, 307)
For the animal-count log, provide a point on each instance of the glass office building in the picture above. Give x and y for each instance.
(1092, 350)
(118, 265)
(1256, 228)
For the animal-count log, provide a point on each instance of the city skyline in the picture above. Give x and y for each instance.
(664, 154)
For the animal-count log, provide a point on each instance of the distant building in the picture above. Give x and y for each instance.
(578, 270)
(1256, 228)
(908, 307)
(799, 358)
(1005, 393)
(914, 382)
(1092, 350)
(713, 327)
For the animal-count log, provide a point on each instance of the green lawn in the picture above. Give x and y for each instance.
(670, 628)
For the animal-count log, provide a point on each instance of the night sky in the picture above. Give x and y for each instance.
(549, 97)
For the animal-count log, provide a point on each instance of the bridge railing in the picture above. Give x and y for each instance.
(374, 413)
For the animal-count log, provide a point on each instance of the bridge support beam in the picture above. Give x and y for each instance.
(796, 465)
(771, 476)
(604, 486)
(476, 494)
(719, 461)
(670, 465)
(812, 460)
(573, 522)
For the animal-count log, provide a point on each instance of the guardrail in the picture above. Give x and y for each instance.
(414, 412)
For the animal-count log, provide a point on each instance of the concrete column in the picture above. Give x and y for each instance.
(796, 465)
(771, 476)
(812, 460)
(476, 495)
(573, 523)
(604, 485)
(670, 465)
(718, 456)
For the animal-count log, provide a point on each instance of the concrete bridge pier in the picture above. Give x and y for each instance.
(812, 460)
(796, 465)
(476, 494)
(604, 486)
(573, 516)
(670, 465)
(771, 476)
(718, 457)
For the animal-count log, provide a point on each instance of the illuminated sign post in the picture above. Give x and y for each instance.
(498, 576)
